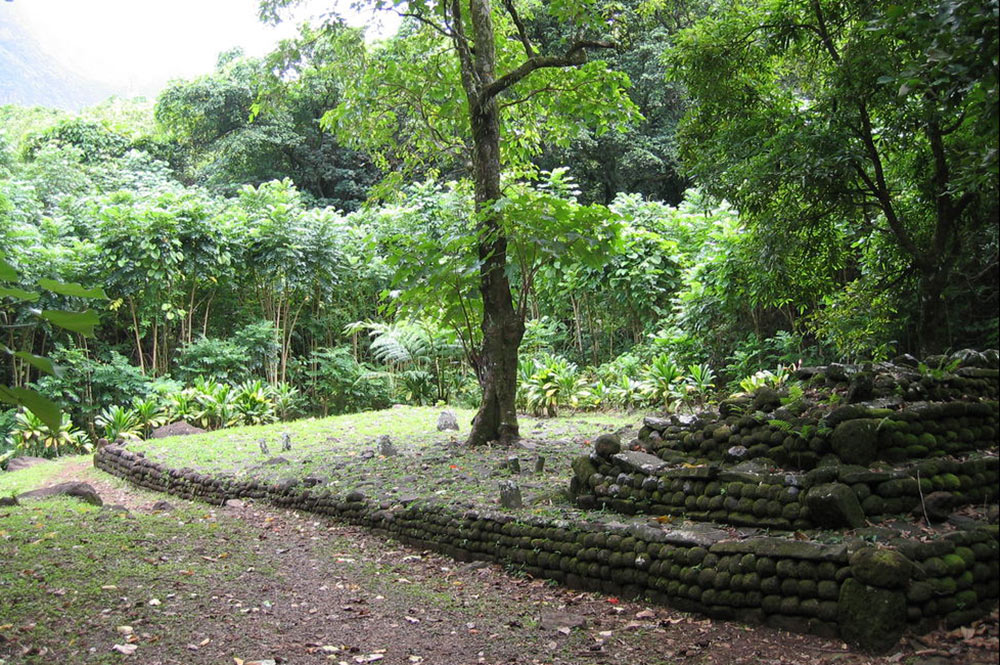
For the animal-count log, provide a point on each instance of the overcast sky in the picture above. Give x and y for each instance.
(136, 46)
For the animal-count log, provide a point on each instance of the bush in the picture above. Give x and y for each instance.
(221, 359)
(338, 383)
(30, 436)
(245, 354)
(89, 385)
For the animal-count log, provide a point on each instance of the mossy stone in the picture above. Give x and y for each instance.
(870, 618)
(966, 599)
(827, 590)
(968, 556)
(954, 564)
(771, 585)
(789, 605)
(856, 441)
(950, 482)
(807, 589)
(771, 604)
(607, 445)
(835, 505)
(766, 567)
(943, 586)
(881, 568)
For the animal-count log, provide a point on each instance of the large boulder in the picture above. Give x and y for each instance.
(881, 568)
(607, 445)
(447, 421)
(81, 491)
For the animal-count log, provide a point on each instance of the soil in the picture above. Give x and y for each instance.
(321, 592)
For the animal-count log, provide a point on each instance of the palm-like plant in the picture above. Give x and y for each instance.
(215, 403)
(554, 382)
(628, 392)
(118, 422)
(251, 404)
(664, 381)
(31, 436)
(700, 382)
(149, 413)
(286, 400)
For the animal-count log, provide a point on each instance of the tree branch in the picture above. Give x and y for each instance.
(576, 55)
(426, 21)
(529, 50)
(470, 77)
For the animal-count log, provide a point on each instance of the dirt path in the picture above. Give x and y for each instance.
(322, 592)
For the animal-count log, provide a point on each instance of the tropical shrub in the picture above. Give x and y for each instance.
(118, 422)
(30, 436)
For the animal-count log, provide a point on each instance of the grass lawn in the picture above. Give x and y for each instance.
(341, 454)
(76, 579)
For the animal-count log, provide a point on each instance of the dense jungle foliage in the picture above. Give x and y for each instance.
(777, 182)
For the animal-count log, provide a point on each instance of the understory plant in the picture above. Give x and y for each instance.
(31, 436)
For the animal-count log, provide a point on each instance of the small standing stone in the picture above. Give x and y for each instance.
(447, 421)
(286, 441)
(514, 464)
(385, 446)
(263, 445)
(510, 494)
(539, 464)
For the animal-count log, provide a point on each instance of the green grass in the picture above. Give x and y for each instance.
(16, 482)
(341, 453)
(73, 573)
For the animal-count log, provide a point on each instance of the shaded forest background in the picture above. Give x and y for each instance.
(788, 183)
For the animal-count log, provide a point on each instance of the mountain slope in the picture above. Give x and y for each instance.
(30, 77)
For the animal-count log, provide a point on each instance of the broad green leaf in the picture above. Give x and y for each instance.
(7, 272)
(46, 410)
(41, 363)
(71, 289)
(79, 322)
(18, 294)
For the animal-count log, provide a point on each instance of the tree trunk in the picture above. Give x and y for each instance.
(932, 329)
(502, 326)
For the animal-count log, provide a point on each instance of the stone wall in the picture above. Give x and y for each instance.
(757, 494)
(868, 595)
(843, 446)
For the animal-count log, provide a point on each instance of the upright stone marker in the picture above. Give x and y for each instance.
(510, 494)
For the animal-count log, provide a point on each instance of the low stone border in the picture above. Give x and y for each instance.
(866, 594)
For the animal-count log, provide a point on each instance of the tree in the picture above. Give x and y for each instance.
(643, 158)
(245, 123)
(514, 91)
(813, 115)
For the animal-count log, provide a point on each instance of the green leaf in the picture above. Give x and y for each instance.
(80, 322)
(71, 289)
(41, 363)
(19, 294)
(46, 410)
(7, 272)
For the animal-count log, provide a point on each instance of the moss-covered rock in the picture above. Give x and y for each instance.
(870, 618)
(881, 567)
(835, 505)
(856, 441)
(607, 445)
